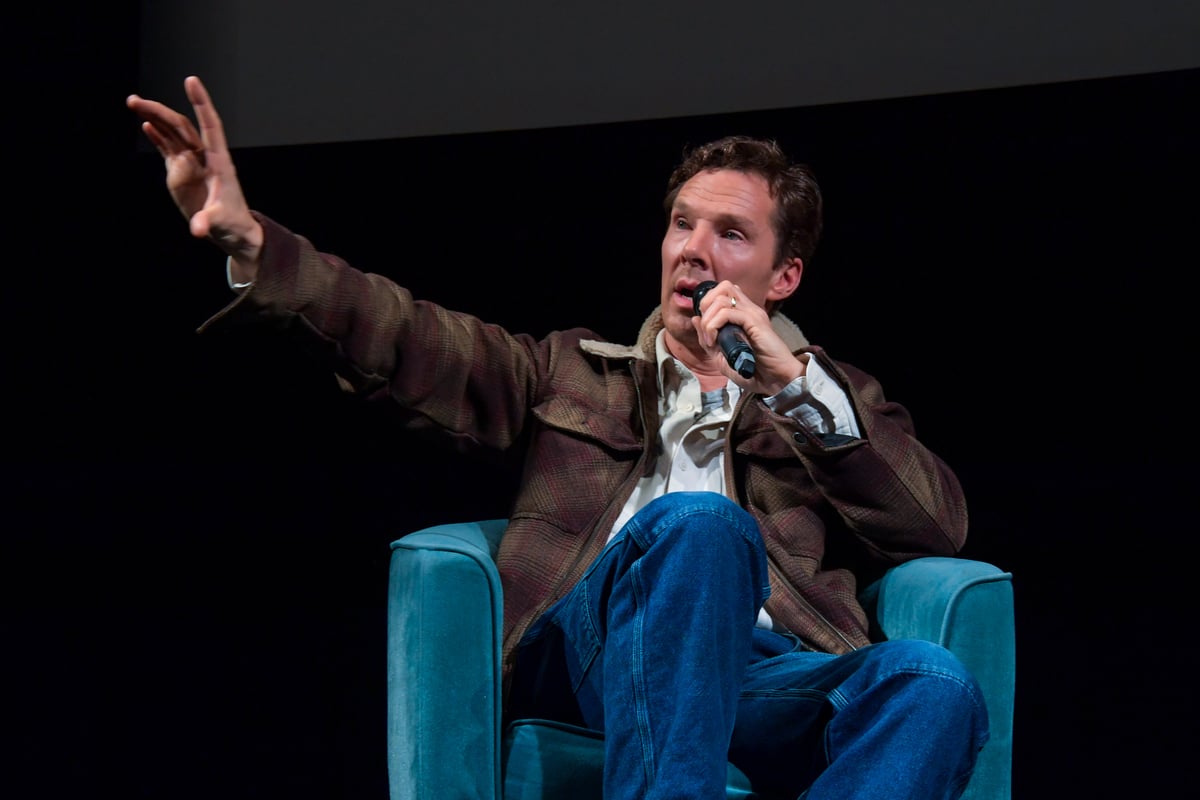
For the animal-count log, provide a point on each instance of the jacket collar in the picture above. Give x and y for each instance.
(644, 348)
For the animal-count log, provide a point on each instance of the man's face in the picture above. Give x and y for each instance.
(719, 229)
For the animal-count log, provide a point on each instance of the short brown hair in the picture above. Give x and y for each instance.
(798, 205)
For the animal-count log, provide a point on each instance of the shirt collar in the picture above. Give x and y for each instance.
(678, 383)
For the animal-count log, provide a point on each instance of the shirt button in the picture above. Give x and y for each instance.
(687, 407)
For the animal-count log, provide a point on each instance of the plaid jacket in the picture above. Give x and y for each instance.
(832, 510)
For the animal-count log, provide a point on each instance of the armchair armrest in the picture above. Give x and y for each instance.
(967, 607)
(443, 659)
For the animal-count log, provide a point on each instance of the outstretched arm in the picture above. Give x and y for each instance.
(201, 177)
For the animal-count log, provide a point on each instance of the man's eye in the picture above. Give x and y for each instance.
(680, 222)
(734, 235)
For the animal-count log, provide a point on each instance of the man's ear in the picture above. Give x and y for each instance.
(785, 280)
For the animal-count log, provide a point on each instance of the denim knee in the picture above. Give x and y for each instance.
(931, 675)
(682, 511)
(701, 533)
(919, 655)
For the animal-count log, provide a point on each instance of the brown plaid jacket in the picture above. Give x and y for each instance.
(832, 510)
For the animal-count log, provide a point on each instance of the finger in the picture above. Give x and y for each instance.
(702, 332)
(168, 151)
(714, 320)
(720, 296)
(175, 131)
(716, 305)
(212, 132)
(156, 139)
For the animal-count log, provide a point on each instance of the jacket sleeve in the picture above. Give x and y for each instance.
(444, 370)
(899, 498)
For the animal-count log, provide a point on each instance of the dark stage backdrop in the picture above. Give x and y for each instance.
(196, 565)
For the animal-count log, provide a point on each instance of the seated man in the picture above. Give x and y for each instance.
(676, 568)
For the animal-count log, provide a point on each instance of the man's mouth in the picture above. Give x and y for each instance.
(685, 291)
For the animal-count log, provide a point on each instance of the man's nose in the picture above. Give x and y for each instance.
(698, 246)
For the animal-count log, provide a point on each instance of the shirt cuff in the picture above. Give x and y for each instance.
(817, 402)
(229, 275)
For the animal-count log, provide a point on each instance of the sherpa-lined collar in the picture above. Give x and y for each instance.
(645, 350)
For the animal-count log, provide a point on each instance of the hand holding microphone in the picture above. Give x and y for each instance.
(731, 337)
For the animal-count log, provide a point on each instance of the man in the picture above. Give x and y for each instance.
(694, 600)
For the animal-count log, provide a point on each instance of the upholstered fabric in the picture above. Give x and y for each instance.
(443, 665)
(444, 717)
(967, 607)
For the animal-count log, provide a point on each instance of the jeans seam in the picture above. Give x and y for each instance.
(641, 700)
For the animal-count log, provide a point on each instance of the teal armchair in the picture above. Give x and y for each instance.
(446, 737)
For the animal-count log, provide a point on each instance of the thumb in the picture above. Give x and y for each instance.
(200, 224)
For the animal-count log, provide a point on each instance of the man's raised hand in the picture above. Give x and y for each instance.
(200, 174)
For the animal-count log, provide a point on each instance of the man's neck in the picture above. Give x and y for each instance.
(706, 368)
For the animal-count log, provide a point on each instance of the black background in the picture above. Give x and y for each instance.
(195, 564)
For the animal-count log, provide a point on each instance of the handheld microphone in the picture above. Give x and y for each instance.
(731, 337)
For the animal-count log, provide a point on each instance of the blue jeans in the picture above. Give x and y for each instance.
(657, 647)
